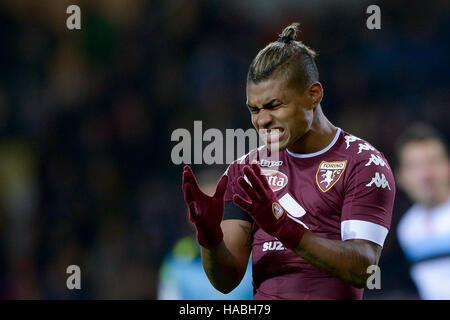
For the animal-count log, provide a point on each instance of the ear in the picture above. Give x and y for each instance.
(315, 93)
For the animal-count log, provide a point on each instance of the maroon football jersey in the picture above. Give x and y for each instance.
(345, 191)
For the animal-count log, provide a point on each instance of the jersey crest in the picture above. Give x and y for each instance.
(329, 173)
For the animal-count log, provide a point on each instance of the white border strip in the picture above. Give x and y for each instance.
(359, 229)
(314, 154)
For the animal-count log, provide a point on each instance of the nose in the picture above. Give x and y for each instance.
(263, 119)
(425, 172)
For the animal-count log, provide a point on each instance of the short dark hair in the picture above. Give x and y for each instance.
(418, 132)
(287, 57)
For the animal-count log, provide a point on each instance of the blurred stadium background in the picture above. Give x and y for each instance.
(86, 117)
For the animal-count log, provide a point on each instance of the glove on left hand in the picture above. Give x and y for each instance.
(265, 209)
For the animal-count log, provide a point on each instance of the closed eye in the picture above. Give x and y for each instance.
(272, 106)
(268, 106)
(252, 108)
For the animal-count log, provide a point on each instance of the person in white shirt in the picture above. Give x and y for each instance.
(424, 230)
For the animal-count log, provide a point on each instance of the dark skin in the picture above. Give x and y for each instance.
(302, 128)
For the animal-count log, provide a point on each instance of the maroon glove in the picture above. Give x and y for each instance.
(205, 212)
(265, 209)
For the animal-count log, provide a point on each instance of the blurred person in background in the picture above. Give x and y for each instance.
(424, 230)
(182, 276)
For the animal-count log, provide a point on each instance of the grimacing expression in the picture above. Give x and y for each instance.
(286, 113)
(424, 171)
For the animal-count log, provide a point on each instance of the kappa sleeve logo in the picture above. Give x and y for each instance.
(380, 181)
(349, 139)
(363, 146)
(376, 160)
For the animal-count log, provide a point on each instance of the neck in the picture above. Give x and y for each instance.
(319, 136)
(443, 197)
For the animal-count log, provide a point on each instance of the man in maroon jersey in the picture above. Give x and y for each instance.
(315, 218)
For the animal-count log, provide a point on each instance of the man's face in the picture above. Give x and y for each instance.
(286, 113)
(424, 171)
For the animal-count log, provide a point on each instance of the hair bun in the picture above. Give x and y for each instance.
(289, 33)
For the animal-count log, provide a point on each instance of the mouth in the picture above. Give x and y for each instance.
(272, 135)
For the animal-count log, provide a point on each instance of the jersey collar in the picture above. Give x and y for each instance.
(317, 153)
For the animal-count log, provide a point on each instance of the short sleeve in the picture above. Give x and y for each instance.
(368, 201)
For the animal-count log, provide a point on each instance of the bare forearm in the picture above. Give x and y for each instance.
(222, 268)
(347, 260)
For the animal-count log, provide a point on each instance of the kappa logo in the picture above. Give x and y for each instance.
(365, 146)
(329, 173)
(349, 139)
(277, 210)
(380, 181)
(376, 160)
